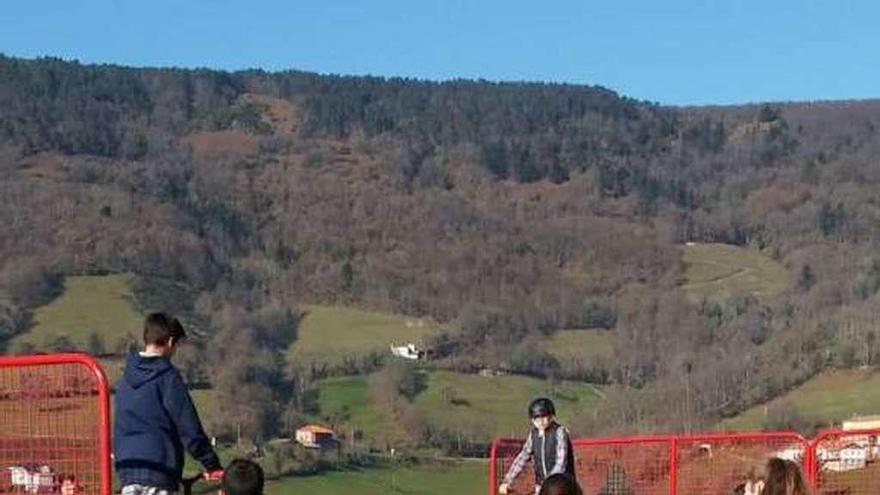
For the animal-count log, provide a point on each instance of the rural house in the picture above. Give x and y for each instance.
(315, 436)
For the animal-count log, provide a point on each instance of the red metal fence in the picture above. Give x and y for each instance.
(835, 463)
(722, 463)
(625, 465)
(846, 462)
(55, 438)
(54, 425)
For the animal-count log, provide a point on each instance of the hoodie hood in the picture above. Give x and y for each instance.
(140, 370)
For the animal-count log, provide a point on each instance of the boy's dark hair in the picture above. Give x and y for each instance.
(243, 477)
(159, 327)
(560, 484)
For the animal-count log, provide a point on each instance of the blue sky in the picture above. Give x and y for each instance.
(672, 52)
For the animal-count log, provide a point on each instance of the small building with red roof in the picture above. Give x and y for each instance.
(315, 436)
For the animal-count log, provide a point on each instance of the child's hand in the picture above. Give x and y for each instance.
(214, 475)
(503, 489)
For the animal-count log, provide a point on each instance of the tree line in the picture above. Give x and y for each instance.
(509, 211)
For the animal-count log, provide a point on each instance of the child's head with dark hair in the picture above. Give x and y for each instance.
(242, 477)
(67, 485)
(162, 332)
(560, 484)
(784, 478)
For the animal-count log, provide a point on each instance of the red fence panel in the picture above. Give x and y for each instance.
(603, 465)
(625, 466)
(664, 465)
(504, 450)
(54, 425)
(720, 463)
(847, 462)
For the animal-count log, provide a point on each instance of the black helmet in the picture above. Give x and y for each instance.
(541, 407)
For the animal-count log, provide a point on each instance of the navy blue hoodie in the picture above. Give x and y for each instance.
(154, 420)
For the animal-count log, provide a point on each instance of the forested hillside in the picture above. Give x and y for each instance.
(504, 211)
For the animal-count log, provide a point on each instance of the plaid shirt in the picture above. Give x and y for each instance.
(146, 477)
(528, 452)
(144, 490)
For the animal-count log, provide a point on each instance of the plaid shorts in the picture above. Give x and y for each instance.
(144, 490)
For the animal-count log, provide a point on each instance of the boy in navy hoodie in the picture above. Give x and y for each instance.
(155, 418)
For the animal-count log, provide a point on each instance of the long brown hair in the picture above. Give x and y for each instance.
(784, 478)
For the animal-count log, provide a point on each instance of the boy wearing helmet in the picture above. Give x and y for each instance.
(548, 445)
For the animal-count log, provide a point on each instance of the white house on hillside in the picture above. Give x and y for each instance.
(408, 351)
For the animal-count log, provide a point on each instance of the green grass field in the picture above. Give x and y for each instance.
(339, 394)
(584, 345)
(495, 406)
(328, 333)
(99, 304)
(484, 406)
(719, 271)
(347, 400)
(465, 478)
(827, 398)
